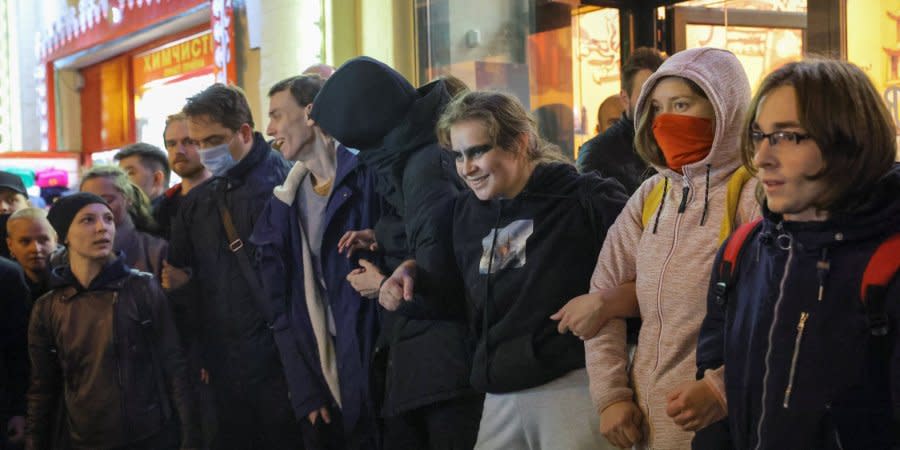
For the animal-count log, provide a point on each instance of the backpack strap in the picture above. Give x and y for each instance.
(652, 202)
(882, 268)
(728, 265)
(736, 183)
(735, 187)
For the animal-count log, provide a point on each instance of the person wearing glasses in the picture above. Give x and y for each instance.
(689, 117)
(807, 329)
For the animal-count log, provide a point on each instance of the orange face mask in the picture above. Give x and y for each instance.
(683, 139)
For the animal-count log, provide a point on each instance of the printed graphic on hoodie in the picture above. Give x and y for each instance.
(509, 251)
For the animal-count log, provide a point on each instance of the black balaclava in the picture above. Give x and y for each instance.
(363, 101)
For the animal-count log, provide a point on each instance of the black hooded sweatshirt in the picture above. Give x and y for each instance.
(368, 106)
(515, 279)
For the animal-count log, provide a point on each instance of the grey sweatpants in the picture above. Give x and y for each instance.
(558, 415)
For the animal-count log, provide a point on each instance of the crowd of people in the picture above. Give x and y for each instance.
(416, 268)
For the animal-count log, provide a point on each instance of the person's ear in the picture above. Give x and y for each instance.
(159, 178)
(308, 110)
(625, 99)
(246, 132)
(523, 142)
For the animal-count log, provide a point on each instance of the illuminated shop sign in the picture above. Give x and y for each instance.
(178, 58)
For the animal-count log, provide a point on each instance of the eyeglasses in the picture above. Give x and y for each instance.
(776, 137)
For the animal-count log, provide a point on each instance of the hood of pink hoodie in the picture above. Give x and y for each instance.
(721, 76)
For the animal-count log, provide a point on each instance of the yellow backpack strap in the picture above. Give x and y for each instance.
(736, 184)
(652, 202)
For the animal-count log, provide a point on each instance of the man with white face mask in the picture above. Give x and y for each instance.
(210, 235)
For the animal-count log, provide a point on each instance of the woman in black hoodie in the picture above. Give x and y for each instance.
(525, 238)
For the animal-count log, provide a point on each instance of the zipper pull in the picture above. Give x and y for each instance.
(822, 268)
(802, 324)
(684, 196)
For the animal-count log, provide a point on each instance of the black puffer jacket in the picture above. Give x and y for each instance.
(429, 358)
(120, 378)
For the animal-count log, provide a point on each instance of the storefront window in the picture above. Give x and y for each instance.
(873, 44)
(483, 43)
(596, 62)
(759, 5)
(560, 61)
(763, 34)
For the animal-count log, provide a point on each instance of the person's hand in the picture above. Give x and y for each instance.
(399, 287)
(204, 376)
(357, 240)
(584, 316)
(366, 279)
(15, 429)
(172, 277)
(693, 406)
(321, 412)
(621, 423)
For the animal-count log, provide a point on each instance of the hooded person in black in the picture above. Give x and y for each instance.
(366, 105)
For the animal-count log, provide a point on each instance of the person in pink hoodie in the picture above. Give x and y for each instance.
(689, 119)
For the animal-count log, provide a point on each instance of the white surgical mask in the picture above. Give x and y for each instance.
(217, 159)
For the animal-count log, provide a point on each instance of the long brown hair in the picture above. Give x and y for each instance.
(505, 120)
(843, 113)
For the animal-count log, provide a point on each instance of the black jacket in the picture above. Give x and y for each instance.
(237, 344)
(429, 358)
(515, 279)
(612, 154)
(118, 377)
(14, 306)
(417, 179)
(165, 209)
(775, 332)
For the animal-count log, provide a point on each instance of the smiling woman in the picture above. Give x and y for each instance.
(528, 214)
(495, 143)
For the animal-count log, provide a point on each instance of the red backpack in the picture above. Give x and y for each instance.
(883, 265)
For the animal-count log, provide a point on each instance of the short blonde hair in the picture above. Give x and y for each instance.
(138, 204)
(32, 214)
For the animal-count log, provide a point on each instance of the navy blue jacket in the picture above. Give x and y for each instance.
(800, 371)
(238, 346)
(352, 205)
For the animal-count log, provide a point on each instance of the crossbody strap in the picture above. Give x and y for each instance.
(236, 246)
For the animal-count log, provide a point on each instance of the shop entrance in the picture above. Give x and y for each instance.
(562, 58)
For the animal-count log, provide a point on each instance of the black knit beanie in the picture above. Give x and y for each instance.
(363, 101)
(63, 211)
